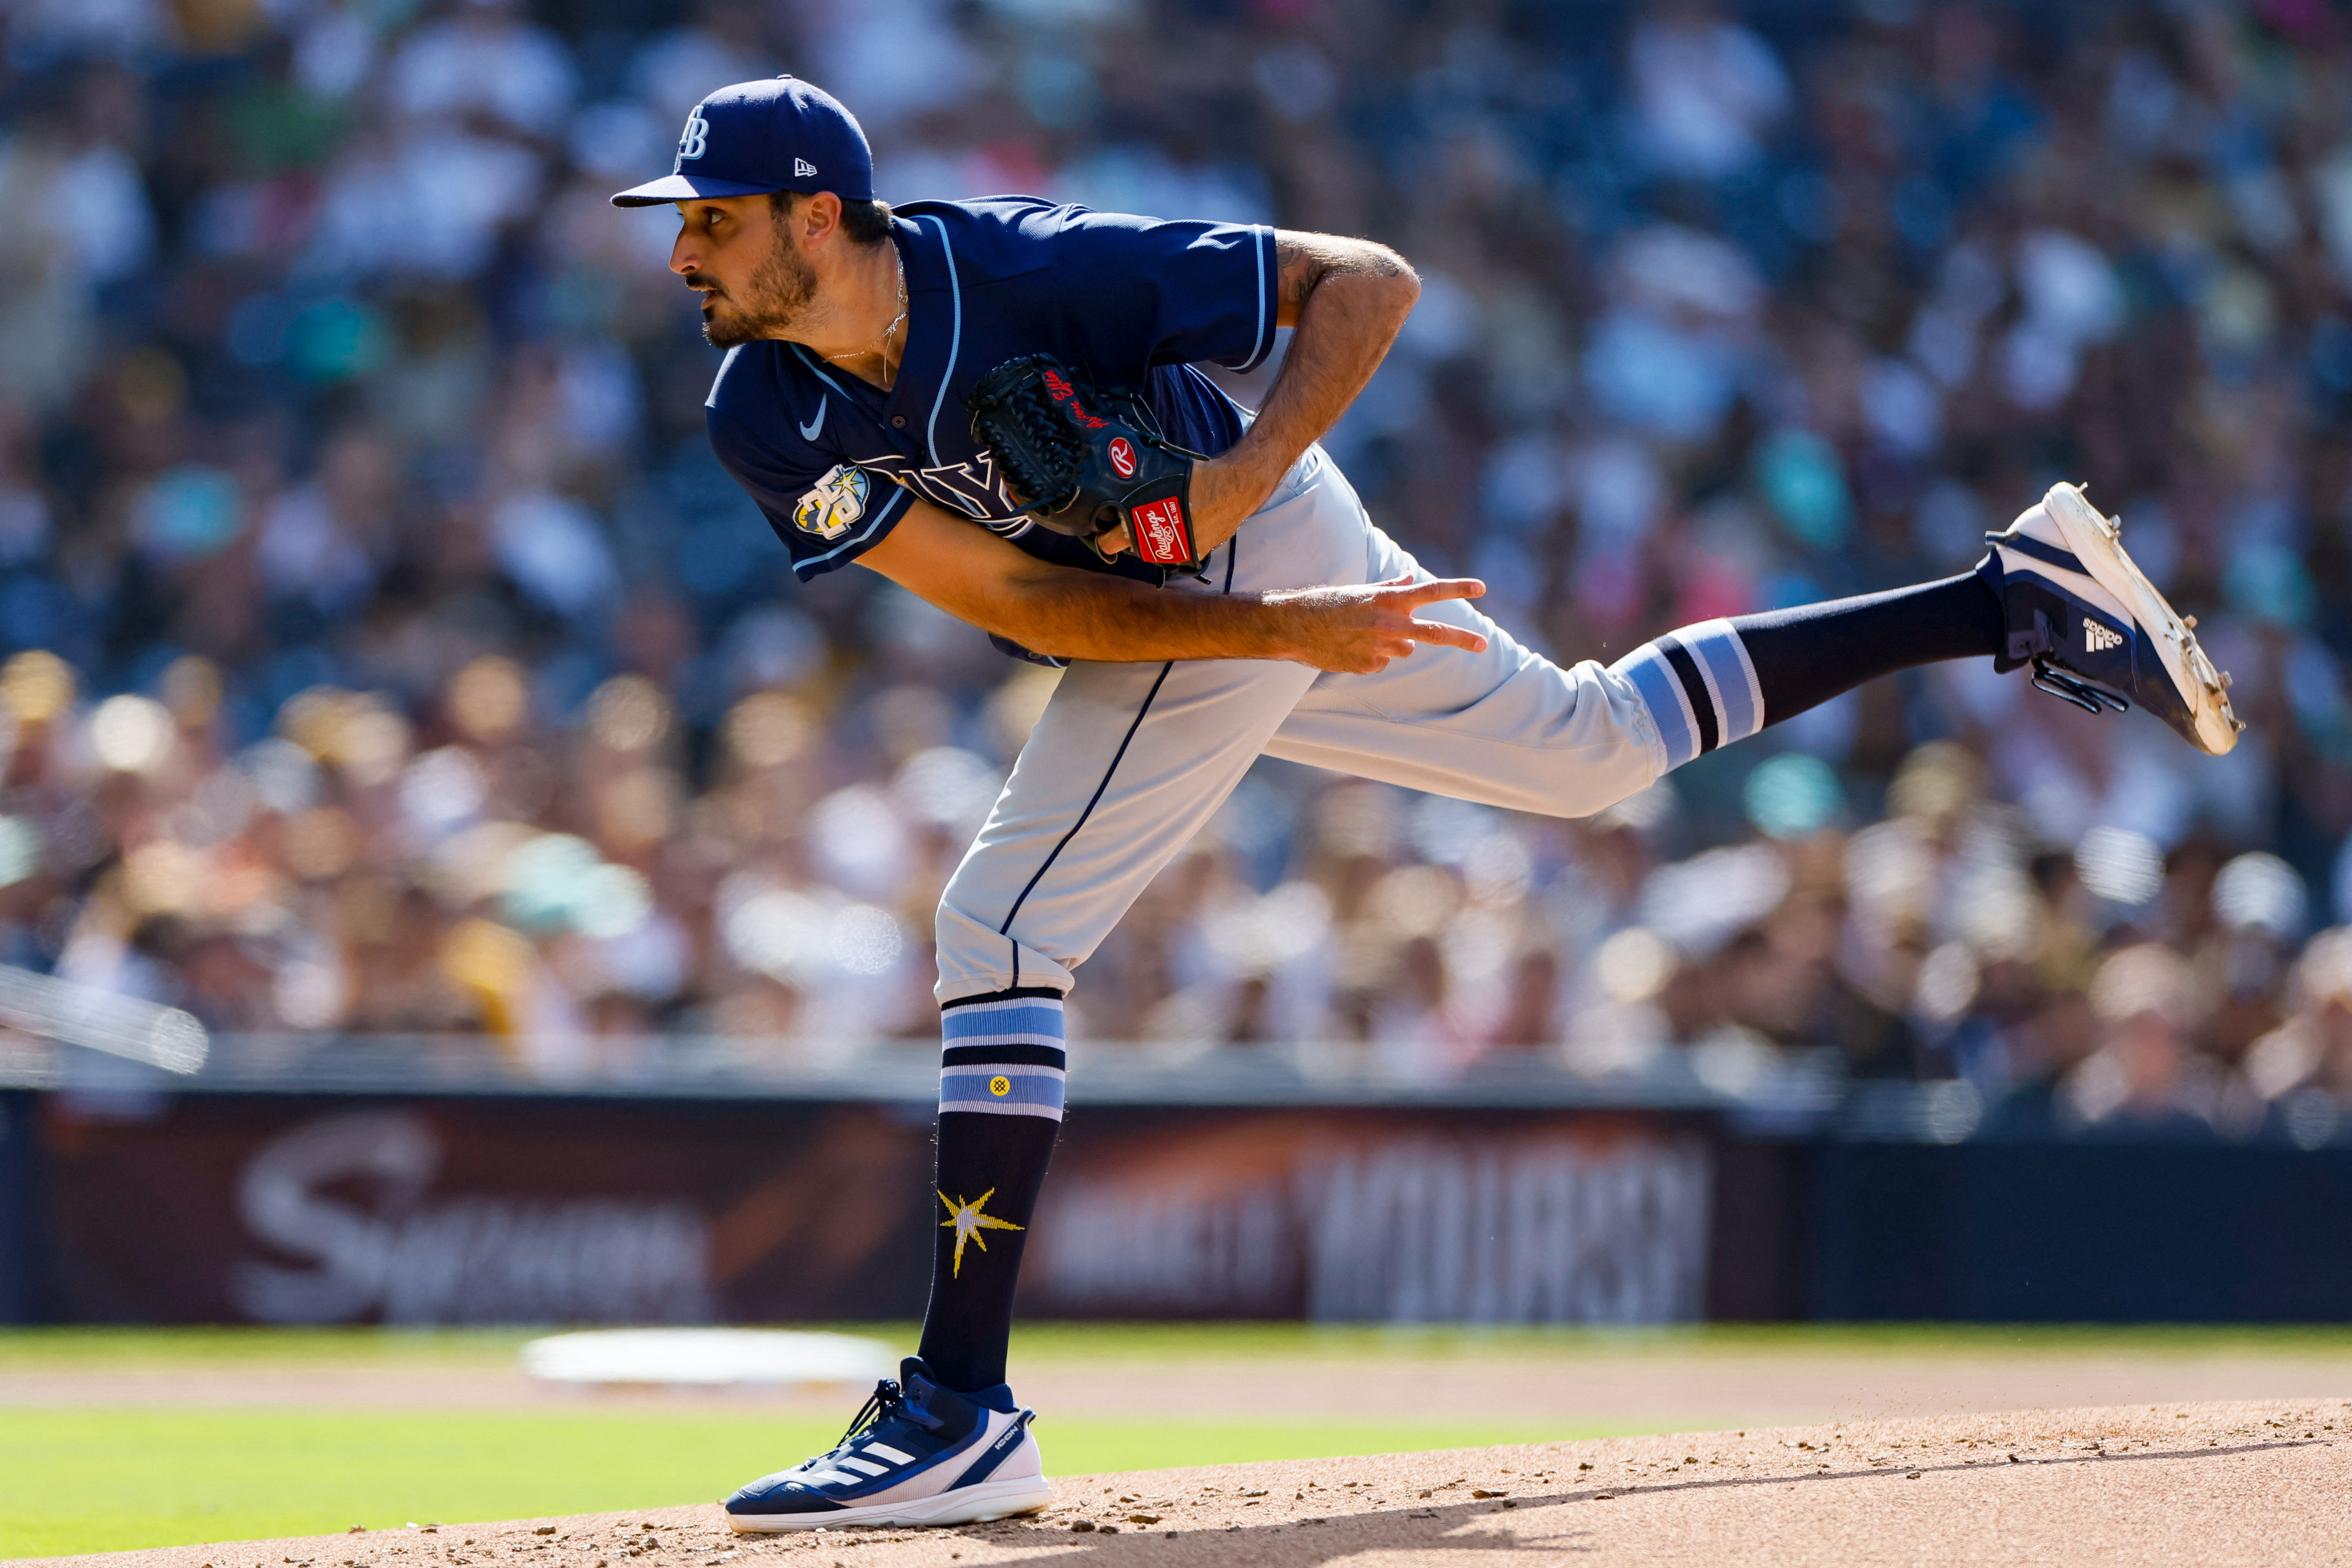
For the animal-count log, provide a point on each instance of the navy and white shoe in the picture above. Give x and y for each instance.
(916, 1454)
(2096, 630)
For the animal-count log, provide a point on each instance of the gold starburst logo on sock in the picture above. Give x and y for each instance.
(967, 1221)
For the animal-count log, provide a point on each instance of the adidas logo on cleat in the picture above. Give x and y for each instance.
(2097, 638)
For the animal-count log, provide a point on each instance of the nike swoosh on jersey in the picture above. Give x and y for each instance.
(808, 431)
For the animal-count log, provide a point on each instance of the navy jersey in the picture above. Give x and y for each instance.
(1134, 302)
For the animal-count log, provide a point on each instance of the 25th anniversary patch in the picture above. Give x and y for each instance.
(834, 503)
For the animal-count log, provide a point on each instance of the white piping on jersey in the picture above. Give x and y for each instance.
(1264, 344)
(955, 340)
(725, 365)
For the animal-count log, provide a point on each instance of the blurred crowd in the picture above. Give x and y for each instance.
(386, 654)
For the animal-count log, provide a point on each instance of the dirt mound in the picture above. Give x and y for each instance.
(2214, 1484)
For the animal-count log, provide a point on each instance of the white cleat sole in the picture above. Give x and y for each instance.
(2096, 541)
(977, 1504)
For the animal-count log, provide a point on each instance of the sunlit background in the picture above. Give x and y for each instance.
(390, 679)
(387, 655)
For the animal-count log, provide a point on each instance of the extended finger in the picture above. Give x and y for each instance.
(1438, 588)
(1451, 636)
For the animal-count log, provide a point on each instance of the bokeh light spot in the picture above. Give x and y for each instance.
(1794, 794)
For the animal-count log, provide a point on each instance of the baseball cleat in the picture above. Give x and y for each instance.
(916, 1454)
(2096, 630)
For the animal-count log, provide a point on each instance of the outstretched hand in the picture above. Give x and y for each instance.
(1357, 630)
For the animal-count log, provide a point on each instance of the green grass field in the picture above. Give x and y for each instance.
(89, 1479)
(100, 1479)
(97, 1481)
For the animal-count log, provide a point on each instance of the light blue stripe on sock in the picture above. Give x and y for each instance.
(1716, 644)
(1033, 1092)
(1041, 1020)
(1661, 694)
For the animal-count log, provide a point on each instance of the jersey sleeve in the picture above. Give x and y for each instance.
(826, 516)
(1163, 292)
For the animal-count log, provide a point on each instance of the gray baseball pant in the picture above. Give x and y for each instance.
(1130, 760)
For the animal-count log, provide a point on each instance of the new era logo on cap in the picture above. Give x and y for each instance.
(803, 168)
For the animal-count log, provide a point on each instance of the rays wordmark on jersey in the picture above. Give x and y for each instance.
(834, 503)
(971, 488)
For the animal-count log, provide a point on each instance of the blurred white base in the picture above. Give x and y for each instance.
(706, 1358)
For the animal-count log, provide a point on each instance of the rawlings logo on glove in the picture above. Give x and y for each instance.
(1085, 463)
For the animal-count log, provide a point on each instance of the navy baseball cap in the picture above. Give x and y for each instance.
(761, 136)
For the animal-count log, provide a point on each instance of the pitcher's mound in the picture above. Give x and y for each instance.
(2258, 1483)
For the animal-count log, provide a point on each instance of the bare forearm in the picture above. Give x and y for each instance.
(1358, 628)
(991, 583)
(1112, 619)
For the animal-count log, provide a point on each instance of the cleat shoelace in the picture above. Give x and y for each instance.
(880, 1404)
(887, 1402)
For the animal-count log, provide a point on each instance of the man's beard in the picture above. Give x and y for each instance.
(778, 290)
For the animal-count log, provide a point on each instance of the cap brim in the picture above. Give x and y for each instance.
(685, 188)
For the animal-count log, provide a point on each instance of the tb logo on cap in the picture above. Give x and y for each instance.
(696, 139)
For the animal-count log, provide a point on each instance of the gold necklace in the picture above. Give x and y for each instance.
(881, 344)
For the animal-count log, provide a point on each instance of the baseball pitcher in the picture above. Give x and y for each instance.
(997, 405)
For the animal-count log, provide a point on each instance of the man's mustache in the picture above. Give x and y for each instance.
(708, 285)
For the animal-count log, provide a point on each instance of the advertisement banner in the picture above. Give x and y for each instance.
(282, 1210)
(1343, 1217)
(289, 1211)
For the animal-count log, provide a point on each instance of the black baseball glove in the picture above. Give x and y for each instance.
(1084, 462)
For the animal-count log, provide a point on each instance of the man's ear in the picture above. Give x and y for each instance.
(817, 218)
